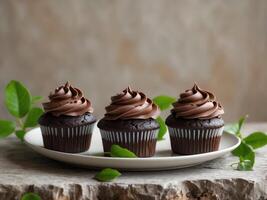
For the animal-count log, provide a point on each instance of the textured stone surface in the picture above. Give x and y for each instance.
(22, 170)
(159, 46)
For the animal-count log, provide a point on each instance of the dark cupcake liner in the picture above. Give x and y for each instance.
(142, 143)
(194, 141)
(70, 139)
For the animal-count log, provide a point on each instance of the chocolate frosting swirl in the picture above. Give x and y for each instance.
(197, 104)
(67, 100)
(131, 105)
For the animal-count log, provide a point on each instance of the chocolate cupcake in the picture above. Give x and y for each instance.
(67, 123)
(195, 124)
(130, 122)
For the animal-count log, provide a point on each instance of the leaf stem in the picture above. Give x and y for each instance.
(234, 165)
(20, 123)
(239, 135)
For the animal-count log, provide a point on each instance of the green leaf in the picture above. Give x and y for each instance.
(164, 102)
(241, 123)
(117, 151)
(35, 99)
(17, 99)
(242, 150)
(256, 139)
(245, 152)
(235, 128)
(20, 134)
(6, 128)
(231, 128)
(107, 174)
(31, 196)
(32, 117)
(250, 156)
(162, 128)
(245, 165)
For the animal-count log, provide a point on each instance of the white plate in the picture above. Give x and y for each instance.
(164, 159)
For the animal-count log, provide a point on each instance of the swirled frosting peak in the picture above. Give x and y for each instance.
(131, 105)
(197, 104)
(67, 100)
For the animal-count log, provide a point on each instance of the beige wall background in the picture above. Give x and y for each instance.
(157, 46)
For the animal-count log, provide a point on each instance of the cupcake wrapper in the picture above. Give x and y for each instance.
(142, 143)
(71, 139)
(194, 141)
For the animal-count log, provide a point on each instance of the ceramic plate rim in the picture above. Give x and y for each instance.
(178, 157)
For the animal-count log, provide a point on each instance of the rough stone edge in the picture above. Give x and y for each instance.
(234, 189)
(221, 189)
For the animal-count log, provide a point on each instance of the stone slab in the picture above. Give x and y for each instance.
(22, 170)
